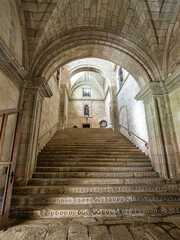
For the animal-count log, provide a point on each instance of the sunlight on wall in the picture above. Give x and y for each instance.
(132, 113)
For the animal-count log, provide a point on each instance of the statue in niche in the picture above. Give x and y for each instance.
(86, 110)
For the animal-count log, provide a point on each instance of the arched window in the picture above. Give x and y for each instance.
(120, 77)
(58, 76)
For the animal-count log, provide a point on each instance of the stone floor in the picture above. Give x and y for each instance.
(156, 228)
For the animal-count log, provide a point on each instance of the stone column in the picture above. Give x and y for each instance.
(31, 102)
(163, 143)
(114, 110)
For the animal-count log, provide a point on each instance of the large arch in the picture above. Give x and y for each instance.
(51, 63)
(108, 47)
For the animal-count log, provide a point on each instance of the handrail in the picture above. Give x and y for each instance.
(130, 132)
(49, 131)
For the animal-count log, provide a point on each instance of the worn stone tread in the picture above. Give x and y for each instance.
(120, 232)
(157, 232)
(78, 233)
(99, 233)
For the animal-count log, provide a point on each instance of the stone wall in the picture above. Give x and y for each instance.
(76, 116)
(9, 93)
(50, 114)
(175, 108)
(76, 108)
(10, 30)
(95, 93)
(132, 114)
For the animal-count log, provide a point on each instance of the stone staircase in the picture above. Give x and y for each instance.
(94, 173)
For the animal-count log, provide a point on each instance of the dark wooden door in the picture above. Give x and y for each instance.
(10, 121)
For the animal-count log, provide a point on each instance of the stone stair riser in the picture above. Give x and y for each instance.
(100, 212)
(92, 200)
(92, 164)
(95, 189)
(95, 174)
(43, 182)
(91, 169)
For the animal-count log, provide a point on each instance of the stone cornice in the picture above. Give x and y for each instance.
(41, 84)
(160, 88)
(10, 66)
(173, 81)
(150, 89)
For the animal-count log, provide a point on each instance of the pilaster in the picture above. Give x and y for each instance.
(63, 107)
(162, 137)
(10, 66)
(33, 94)
(114, 115)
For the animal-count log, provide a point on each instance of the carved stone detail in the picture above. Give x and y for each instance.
(10, 66)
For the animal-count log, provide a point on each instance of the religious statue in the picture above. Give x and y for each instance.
(86, 110)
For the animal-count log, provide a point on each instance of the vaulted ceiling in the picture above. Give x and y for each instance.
(139, 28)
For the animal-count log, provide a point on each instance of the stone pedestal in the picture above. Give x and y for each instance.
(162, 138)
(31, 102)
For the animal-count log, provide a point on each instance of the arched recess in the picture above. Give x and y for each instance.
(123, 117)
(98, 87)
(84, 68)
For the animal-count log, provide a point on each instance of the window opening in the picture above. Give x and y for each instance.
(86, 92)
(120, 77)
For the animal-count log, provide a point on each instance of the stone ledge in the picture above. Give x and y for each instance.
(10, 66)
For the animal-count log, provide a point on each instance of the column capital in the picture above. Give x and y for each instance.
(158, 89)
(39, 84)
(152, 89)
(173, 81)
(10, 66)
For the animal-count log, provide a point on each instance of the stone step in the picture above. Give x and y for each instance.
(96, 210)
(93, 174)
(94, 199)
(124, 160)
(94, 156)
(89, 164)
(103, 152)
(93, 152)
(92, 169)
(98, 189)
(77, 140)
(89, 145)
(95, 147)
(86, 181)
